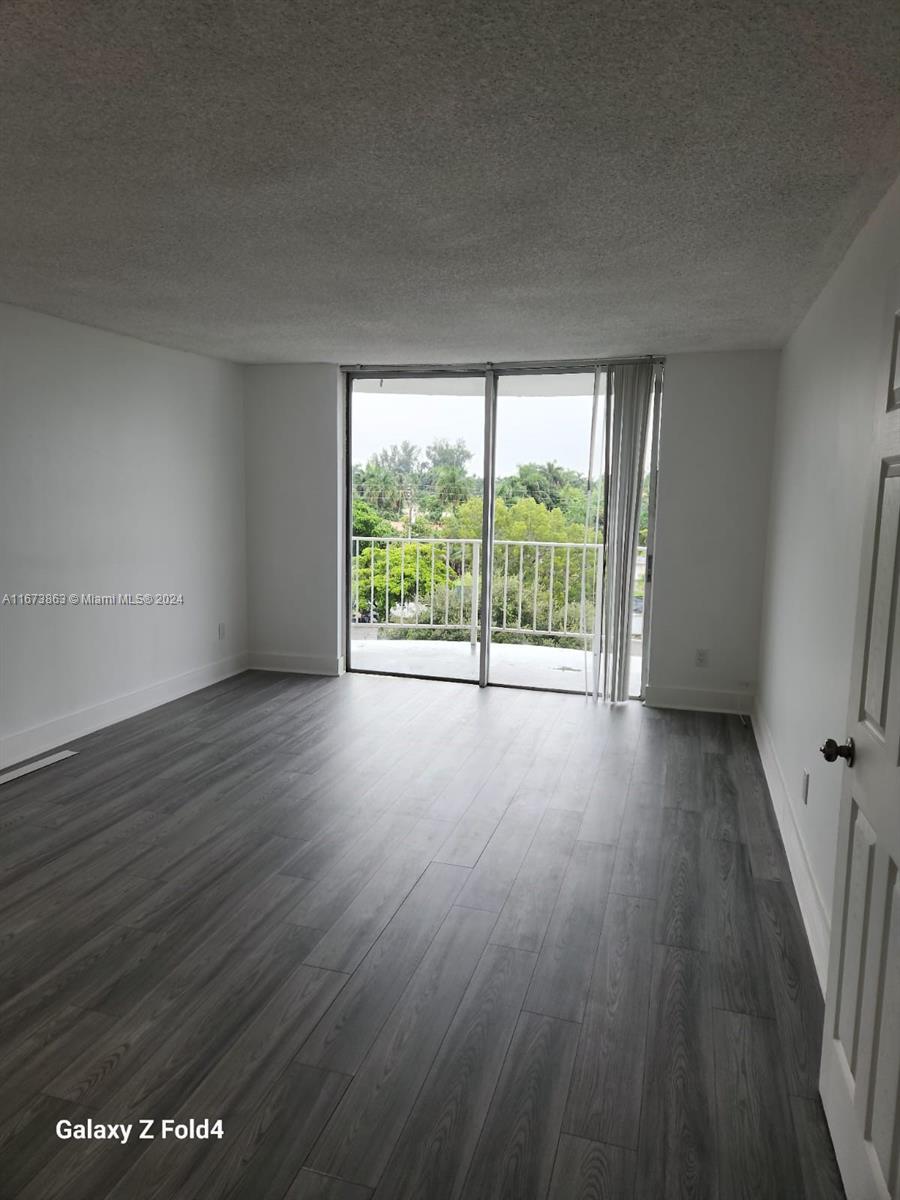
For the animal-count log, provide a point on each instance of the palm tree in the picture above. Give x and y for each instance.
(451, 485)
(379, 486)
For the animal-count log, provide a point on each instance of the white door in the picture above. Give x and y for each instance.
(860, 1073)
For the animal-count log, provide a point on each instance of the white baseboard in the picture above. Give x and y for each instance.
(299, 664)
(816, 916)
(27, 743)
(657, 695)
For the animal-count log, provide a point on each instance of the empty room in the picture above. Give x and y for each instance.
(449, 594)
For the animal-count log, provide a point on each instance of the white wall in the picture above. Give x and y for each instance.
(293, 419)
(833, 378)
(715, 458)
(121, 470)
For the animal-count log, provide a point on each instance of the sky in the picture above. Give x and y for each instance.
(529, 428)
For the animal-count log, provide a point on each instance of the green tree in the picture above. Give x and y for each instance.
(367, 522)
(465, 520)
(423, 528)
(379, 486)
(403, 460)
(559, 571)
(391, 481)
(401, 574)
(522, 521)
(404, 463)
(644, 519)
(443, 478)
(544, 483)
(575, 504)
(442, 453)
(451, 486)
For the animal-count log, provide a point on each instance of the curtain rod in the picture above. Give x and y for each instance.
(548, 367)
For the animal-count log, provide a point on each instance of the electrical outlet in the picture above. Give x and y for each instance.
(701, 658)
(221, 631)
(804, 788)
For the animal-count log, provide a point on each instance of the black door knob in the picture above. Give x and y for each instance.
(831, 751)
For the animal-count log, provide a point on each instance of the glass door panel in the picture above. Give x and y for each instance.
(547, 532)
(417, 461)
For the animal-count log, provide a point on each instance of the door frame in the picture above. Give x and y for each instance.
(488, 495)
(864, 905)
(491, 372)
(350, 374)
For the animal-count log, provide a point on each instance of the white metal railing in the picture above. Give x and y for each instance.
(433, 583)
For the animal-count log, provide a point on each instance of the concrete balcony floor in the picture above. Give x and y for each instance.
(522, 665)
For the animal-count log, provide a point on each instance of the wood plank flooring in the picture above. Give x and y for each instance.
(409, 941)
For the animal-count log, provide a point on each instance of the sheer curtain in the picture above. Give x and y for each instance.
(623, 433)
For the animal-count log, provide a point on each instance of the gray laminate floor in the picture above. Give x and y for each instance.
(406, 939)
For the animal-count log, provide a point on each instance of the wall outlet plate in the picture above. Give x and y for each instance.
(701, 658)
(221, 631)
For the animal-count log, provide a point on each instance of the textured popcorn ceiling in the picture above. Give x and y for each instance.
(397, 181)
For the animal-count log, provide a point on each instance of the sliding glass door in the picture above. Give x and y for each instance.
(444, 532)
(548, 532)
(416, 555)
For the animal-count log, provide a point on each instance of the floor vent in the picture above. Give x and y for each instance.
(27, 768)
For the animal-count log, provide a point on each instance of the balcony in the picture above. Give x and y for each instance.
(415, 608)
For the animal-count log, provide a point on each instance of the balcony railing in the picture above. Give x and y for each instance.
(434, 583)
